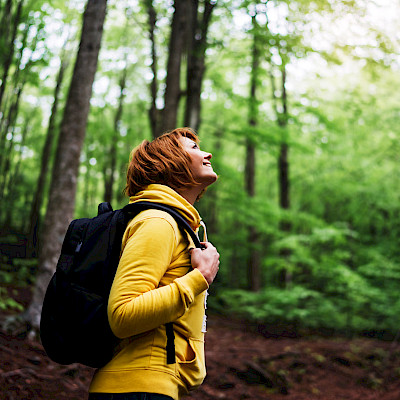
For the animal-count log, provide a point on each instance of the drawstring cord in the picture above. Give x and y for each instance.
(203, 225)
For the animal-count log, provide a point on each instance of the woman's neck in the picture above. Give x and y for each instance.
(190, 194)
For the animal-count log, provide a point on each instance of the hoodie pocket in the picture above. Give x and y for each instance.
(192, 370)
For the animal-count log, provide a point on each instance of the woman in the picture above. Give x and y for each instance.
(153, 284)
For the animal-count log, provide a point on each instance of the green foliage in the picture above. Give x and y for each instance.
(341, 245)
(301, 307)
(272, 306)
(20, 273)
(8, 303)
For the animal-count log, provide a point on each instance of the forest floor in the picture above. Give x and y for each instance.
(241, 363)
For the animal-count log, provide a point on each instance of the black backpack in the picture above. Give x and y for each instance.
(74, 326)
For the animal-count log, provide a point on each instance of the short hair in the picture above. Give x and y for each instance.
(163, 160)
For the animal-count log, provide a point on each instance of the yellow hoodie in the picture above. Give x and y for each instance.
(155, 285)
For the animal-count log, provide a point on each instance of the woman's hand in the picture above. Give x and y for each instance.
(206, 261)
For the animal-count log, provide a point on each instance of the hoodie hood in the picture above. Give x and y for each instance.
(165, 195)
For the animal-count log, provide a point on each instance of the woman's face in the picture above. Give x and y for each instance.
(201, 167)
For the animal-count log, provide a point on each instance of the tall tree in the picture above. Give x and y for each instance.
(33, 231)
(281, 111)
(253, 262)
(188, 37)
(179, 29)
(110, 168)
(14, 179)
(5, 24)
(61, 203)
(154, 112)
(22, 74)
(10, 45)
(196, 54)
(9, 108)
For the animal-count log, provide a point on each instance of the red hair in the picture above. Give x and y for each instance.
(163, 161)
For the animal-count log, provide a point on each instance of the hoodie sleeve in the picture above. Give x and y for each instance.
(136, 303)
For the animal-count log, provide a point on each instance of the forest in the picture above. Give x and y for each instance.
(298, 103)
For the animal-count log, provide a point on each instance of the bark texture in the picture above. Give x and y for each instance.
(112, 165)
(285, 276)
(176, 49)
(284, 193)
(154, 113)
(188, 38)
(254, 261)
(199, 24)
(10, 48)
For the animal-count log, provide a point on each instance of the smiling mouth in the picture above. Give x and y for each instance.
(207, 164)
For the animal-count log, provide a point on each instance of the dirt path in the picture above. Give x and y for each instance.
(241, 365)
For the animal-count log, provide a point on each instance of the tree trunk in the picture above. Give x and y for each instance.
(33, 232)
(283, 166)
(285, 277)
(10, 52)
(212, 197)
(61, 203)
(110, 169)
(284, 194)
(5, 24)
(253, 263)
(8, 125)
(11, 118)
(14, 178)
(87, 179)
(176, 48)
(154, 113)
(196, 62)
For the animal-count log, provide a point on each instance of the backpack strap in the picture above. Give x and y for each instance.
(104, 207)
(169, 329)
(136, 208)
(133, 209)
